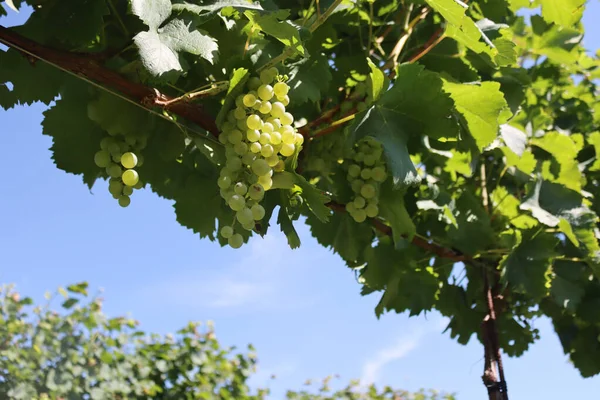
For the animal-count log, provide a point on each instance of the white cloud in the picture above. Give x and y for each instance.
(256, 278)
(403, 346)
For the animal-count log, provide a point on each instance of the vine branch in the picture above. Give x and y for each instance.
(87, 67)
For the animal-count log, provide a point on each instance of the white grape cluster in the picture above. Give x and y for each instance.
(258, 135)
(118, 157)
(365, 172)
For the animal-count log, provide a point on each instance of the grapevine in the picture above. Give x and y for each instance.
(258, 137)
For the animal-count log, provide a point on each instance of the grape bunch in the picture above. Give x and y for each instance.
(258, 135)
(119, 156)
(365, 172)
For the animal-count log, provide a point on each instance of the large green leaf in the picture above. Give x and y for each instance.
(527, 268)
(393, 210)
(562, 12)
(416, 105)
(481, 106)
(309, 79)
(159, 47)
(276, 25)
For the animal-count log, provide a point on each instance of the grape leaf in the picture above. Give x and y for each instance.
(117, 116)
(315, 200)
(481, 106)
(527, 266)
(565, 152)
(18, 70)
(414, 106)
(152, 12)
(342, 234)
(474, 232)
(7, 98)
(237, 81)
(309, 79)
(594, 139)
(159, 47)
(206, 11)
(558, 44)
(70, 128)
(287, 227)
(393, 210)
(199, 195)
(276, 25)
(562, 12)
(377, 82)
(460, 26)
(566, 293)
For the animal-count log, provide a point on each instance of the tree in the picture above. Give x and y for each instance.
(431, 136)
(80, 353)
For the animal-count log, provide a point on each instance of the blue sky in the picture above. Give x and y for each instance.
(300, 308)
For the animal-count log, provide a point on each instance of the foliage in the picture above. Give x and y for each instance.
(488, 121)
(80, 353)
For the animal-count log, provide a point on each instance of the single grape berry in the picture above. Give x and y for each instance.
(281, 89)
(226, 232)
(124, 201)
(102, 159)
(235, 241)
(129, 160)
(130, 177)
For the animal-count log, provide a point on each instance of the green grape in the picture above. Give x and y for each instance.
(258, 212)
(255, 147)
(265, 181)
(378, 174)
(253, 83)
(359, 215)
(279, 167)
(249, 100)
(248, 158)
(359, 202)
(265, 138)
(224, 182)
(288, 137)
(367, 191)
(260, 167)
(130, 177)
(130, 140)
(235, 241)
(102, 159)
(267, 127)
(281, 89)
(249, 226)
(235, 136)
(239, 101)
(129, 160)
(354, 170)
(365, 174)
(240, 188)
(253, 121)
(285, 100)
(116, 158)
(299, 139)
(266, 77)
(272, 160)
(138, 185)
(253, 135)
(244, 216)
(115, 187)
(237, 202)
(286, 118)
(277, 109)
(350, 208)
(345, 106)
(265, 92)
(114, 170)
(226, 232)
(239, 113)
(273, 72)
(124, 201)
(275, 122)
(127, 190)
(256, 192)
(240, 148)
(359, 157)
(223, 138)
(275, 138)
(266, 150)
(356, 185)
(234, 163)
(228, 126)
(287, 150)
(265, 107)
(372, 210)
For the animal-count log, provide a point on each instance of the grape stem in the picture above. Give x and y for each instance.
(324, 16)
(335, 125)
(409, 26)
